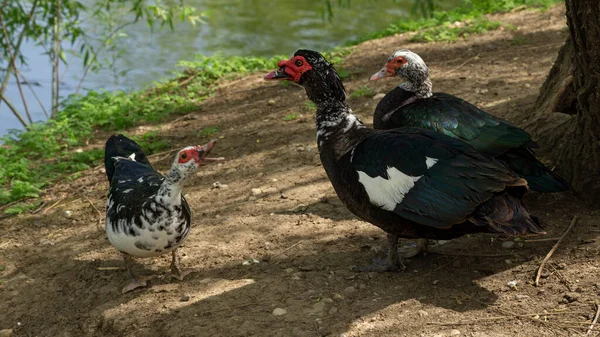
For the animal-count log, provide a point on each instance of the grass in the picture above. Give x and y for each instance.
(45, 152)
(473, 10)
(208, 131)
(452, 32)
(362, 91)
(290, 117)
(310, 106)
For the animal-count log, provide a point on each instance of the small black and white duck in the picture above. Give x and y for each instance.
(413, 103)
(146, 213)
(410, 182)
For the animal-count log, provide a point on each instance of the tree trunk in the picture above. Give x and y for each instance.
(567, 118)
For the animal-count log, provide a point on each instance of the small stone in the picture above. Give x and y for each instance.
(333, 310)
(435, 282)
(350, 289)
(256, 191)
(337, 297)
(250, 261)
(289, 270)
(68, 214)
(423, 313)
(271, 102)
(274, 180)
(251, 198)
(527, 85)
(378, 96)
(319, 306)
(279, 311)
(508, 244)
(299, 208)
(362, 286)
(231, 170)
(6, 333)
(512, 284)
(507, 261)
(454, 332)
(185, 297)
(326, 300)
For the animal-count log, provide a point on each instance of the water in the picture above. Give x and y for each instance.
(233, 27)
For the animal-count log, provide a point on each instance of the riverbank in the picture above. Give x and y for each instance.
(56, 259)
(72, 141)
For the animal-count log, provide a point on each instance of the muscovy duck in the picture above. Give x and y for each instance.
(146, 214)
(410, 182)
(413, 103)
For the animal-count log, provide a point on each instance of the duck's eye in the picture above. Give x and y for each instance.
(299, 63)
(399, 61)
(183, 155)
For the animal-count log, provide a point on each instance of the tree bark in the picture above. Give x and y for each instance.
(567, 118)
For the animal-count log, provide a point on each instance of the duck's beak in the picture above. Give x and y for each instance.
(384, 72)
(278, 74)
(204, 150)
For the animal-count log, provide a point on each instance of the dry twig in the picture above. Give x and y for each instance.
(541, 268)
(461, 65)
(53, 205)
(286, 250)
(595, 320)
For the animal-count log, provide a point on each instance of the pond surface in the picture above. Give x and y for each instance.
(233, 27)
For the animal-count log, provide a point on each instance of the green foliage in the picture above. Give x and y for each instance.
(518, 40)
(151, 143)
(362, 91)
(469, 10)
(290, 117)
(452, 32)
(208, 131)
(22, 207)
(31, 159)
(310, 105)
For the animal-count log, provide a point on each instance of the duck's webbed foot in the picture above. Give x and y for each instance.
(393, 262)
(136, 282)
(416, 248)
(176, 271)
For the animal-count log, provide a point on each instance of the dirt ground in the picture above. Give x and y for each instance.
(61, 277)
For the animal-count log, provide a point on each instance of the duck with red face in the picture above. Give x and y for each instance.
(146, 213)
(410, 182)
(414, 104)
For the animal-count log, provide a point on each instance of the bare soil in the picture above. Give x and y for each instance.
(61, 277)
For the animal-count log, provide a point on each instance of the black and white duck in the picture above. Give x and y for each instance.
(410, 182)
(146, 213)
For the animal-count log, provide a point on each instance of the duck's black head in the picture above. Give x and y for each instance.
(311, 70)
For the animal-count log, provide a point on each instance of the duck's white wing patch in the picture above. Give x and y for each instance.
(430, 162)
(388, 193)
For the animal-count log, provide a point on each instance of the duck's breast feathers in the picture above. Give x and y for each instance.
(426, 177)
(457, 118)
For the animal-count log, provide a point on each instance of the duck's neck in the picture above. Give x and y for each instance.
(422, 88)
(169, 192)
(337, 125)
